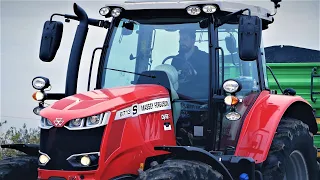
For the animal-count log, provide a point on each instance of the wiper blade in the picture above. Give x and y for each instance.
(131, 72)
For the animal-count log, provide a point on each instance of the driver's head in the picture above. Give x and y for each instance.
(187, 40)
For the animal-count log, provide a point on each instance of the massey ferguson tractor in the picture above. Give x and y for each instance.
(181, 92)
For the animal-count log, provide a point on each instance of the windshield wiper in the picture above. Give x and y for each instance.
(131, 72)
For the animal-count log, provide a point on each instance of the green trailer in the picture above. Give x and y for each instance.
(297, 68)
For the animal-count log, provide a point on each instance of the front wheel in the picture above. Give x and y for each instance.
(180, 170)
(19, 168)
(292, 154)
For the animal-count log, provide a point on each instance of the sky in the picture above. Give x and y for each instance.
(297, 23)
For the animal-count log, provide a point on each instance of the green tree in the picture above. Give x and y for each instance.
(16, 136)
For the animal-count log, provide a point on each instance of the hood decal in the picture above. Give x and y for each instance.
(103, 100)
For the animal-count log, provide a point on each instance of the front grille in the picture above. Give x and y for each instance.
(61, 143)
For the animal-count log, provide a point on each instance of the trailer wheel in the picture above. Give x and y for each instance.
(21, 167)
(180, 170)
(292, 154)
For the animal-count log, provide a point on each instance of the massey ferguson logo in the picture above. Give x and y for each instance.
(58, 122)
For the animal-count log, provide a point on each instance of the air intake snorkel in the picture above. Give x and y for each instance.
(76, 51)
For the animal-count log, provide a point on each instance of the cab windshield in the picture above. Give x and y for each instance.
(148, 47)
(182, 50)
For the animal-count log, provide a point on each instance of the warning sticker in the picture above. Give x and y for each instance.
(167, 126)
(144, 108)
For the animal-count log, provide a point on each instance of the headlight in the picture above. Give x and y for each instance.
(84, 160)
(116, 12)
(77, 122)
(43, 158)
(104, 11)
(45, 123)
(89, 122)
(193, 10)
(95, 120)
(37, 109)
(209, 9)
(233, 116)
(40, 83)
(231, 86)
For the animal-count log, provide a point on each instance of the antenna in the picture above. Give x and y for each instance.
(276, 6)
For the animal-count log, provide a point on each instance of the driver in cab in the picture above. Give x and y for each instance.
(192, 65)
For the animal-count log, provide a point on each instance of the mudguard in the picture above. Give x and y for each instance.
(197, 154)
(262, 121)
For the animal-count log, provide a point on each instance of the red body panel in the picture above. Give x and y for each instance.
(261, 124)
(98, 101)
(127, 141)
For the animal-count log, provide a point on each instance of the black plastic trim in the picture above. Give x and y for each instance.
(238, 165)
(29, 149)
(55, 96)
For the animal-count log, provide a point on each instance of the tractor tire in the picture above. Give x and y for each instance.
(180, 170)
(19, 168)
(292, 154)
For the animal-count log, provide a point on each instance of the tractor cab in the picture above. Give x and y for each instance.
(208, 55)
(199, 57)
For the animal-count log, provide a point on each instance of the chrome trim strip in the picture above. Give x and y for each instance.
(75, 155)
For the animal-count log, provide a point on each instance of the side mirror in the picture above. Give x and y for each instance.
(250, 30)
(50, 41)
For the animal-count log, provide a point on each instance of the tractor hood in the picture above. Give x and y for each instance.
(99, 101)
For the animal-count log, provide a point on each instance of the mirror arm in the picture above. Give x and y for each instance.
(93, 22)
(274, 77)
(55, 14)
(229, 16)
(276, 6)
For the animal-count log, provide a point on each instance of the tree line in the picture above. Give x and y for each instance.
(16, 136)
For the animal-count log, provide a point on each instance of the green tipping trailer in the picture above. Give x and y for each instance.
(297, 68)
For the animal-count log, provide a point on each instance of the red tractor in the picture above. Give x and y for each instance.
(181, 93)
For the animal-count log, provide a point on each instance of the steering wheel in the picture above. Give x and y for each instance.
(186, 70)
(169, 57)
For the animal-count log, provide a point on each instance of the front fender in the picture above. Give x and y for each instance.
(197, 154)
(261, 124)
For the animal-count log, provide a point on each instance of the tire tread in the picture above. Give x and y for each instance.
(181, 170)
(283, 143)
(20, 167)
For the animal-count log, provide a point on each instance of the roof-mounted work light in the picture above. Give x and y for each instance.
(104, 11)
(116, 12)
(194, 10)
(209, 9)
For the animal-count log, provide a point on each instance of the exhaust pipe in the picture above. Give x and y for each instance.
(76, 51)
